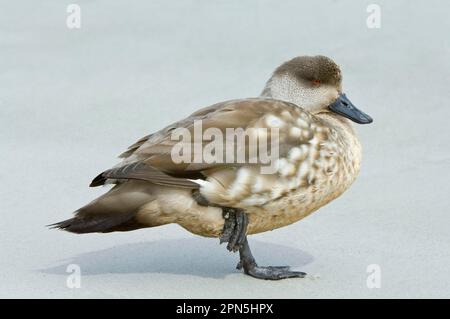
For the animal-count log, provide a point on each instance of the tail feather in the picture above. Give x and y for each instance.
(114, 211)
(94, 224)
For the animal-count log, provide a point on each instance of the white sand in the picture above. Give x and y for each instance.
(71, 100)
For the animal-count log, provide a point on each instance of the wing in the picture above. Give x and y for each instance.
(281, 124)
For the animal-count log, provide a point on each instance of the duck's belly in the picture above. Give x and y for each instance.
(289, 207)
(282, 212)
(179, 207)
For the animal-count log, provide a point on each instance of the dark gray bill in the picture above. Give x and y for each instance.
(344, 107)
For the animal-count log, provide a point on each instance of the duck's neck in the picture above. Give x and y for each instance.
(282, 87)
(337, 121)
(286, 88)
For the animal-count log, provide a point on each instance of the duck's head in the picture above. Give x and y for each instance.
(315, 84)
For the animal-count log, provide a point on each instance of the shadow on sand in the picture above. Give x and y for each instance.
(197, 256)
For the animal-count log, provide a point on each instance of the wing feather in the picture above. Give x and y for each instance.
(150, 157)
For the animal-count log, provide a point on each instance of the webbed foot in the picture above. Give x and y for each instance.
(251, 268)
(272, 272)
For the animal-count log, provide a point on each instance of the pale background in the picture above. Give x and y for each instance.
(71, 100)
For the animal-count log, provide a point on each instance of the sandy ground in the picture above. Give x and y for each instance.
(71, 100)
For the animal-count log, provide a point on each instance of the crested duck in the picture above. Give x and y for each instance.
(318, 158)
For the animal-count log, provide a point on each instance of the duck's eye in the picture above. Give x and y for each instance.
(316, 82)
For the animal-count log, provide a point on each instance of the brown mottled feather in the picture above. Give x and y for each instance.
(155, 149)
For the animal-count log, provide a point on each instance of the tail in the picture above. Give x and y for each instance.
(113, 211)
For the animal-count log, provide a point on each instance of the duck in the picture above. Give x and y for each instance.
(306, 121)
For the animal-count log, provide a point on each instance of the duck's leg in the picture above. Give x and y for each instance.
(235, 233)
(234, 228)
(251, 268)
